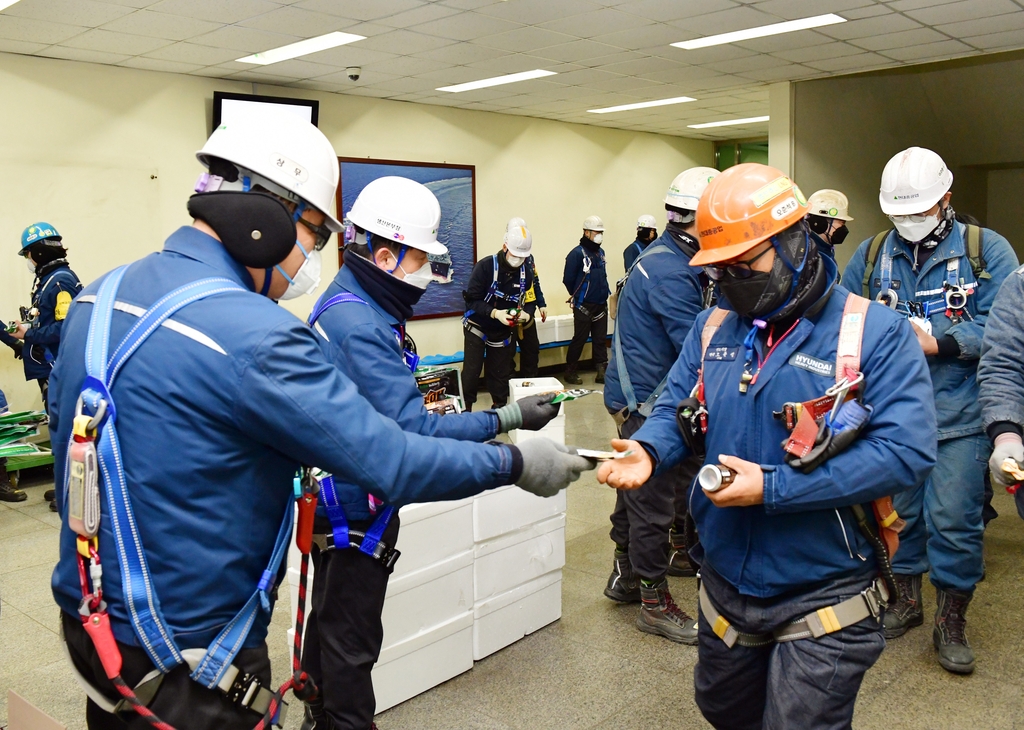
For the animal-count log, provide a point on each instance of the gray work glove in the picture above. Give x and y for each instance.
(1007, 446)
(531, 413)
(548, 468)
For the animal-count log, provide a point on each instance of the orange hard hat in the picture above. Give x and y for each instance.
(745, 205)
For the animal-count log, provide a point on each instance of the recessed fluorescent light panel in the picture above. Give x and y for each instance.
(4, 4)
(498, 81)
(765, 30)
(642, 105)
(728, 123)
(302, 48)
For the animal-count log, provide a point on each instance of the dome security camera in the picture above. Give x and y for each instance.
(354, 72)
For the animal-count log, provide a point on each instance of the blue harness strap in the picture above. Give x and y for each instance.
(140, 596)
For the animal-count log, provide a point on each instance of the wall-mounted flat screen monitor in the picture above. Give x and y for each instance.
(228, 106)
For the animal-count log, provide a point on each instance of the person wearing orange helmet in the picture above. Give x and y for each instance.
(797, 393)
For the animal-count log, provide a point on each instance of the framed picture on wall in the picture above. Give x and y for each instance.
(455, 188)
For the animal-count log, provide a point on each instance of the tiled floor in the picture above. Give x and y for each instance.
(591, 669)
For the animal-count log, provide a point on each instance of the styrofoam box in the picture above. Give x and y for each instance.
(433, 532)
(507, 509)
(418, 602)
(424, 661)
(516, 558)
(555, 430)
(564, 327)
(506, 618)
(522, 387)
(547, 331)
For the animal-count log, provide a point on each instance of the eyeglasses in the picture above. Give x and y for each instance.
(322, 233)
(739, 270)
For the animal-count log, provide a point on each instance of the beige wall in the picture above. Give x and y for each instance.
(106, 155)
(845, 129)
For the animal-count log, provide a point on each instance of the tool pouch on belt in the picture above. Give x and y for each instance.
(688, 418)
(834, 435)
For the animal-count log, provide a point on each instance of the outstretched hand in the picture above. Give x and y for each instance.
(629, 472)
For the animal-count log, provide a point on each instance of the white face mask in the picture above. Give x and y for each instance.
(306, 279)
(30, 264)
(598, 238)
(914, 228)
(419, 278)
(514, 261)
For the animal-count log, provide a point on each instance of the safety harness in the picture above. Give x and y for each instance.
(813, 426)
(369, 543)
(494, 293)
(95, 462)
(645, 408)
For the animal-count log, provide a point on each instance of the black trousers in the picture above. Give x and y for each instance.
(180, 701)
(588, 320)
(529, 352)
(344, 631)
(499, 369)
(643, 516)
(44, 388)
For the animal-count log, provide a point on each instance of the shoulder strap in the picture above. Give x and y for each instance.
(711, 326)
(322, 306)
(851, 335)
(975, 251)
(870, 259)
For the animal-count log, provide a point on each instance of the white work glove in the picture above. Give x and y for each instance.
(548, 468)
(523, 317)
(1007, 446)
(503, 316)
(543, 314)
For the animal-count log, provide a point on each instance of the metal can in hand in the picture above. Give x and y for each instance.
(713, 477)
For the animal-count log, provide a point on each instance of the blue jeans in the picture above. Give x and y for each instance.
(944, 524)
(808, 683)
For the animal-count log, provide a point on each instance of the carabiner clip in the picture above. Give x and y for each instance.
(840, 390)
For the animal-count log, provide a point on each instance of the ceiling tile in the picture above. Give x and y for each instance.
(460, 53)
(794, 9)
(350, 55)
(658, 35)
(298, 22)
(891, 23)
(983, 26)
(640, 66)
(465, 26)
(524, 39)
(536, 12)
(726, 21)
(132, 3)
(867, 12)
(904, 5)
(751, 63)
(850, 63)
(153, 64)
(942, 49)
(261, 77)
(576, 51)
(10, 46)
(360, 9)
(406, 66)
(36, 31)
(903, 39)
(367, 78)
(831, 50)
(618, 57)
(629, 83)
(597, 22)
(160, 25)
(964, 10)
(87, 55)
(244, 40)
(451, 75)
(316, 85)
(220, 11)
(786, 41)
(73, 12)
(790, 72)
(192, 53)
(422, 14)
(664, 11)
(111, 42)
(993, 41)
(403, 41)
(512, 63)
(375, 93)
(680, 75)
(405, 85)
(582, 76)
(709, 55)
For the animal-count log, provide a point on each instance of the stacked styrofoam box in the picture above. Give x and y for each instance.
(519, 550)
(563, 327)
(547, 331)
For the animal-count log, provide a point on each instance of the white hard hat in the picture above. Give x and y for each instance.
(593, 223)
(688, 186)
(288, 156)
(518, 239)
(401, 210)
(646, 221)
(513, 222)
(829, 204)
(913, 181)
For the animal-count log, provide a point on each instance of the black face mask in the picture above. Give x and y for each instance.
(819, 225)
(765, 293)
(839, 235)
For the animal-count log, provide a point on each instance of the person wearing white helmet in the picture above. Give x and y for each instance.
(943, 275)
(534, 304)
(827, 219)
(658, 301)
(646, 231)
(361, 320)
(182, 404)
(585, 277)
(495, 308)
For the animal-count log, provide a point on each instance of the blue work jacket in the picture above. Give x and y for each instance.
(662, 297)
(215, 412)
(42, 339)
(360, 340)
(586, 276)
(632, 251)
(804, 532)
(954, 378)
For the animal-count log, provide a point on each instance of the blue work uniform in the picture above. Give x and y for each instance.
(656, 310)
(585, 277)
(951, 501)
(632, 251)
(769, 564)
(215, 412)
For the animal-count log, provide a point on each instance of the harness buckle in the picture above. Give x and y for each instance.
(244, 690)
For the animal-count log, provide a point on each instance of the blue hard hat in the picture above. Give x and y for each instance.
(37, 232)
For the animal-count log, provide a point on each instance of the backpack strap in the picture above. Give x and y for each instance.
(870, 259)
(975, 251)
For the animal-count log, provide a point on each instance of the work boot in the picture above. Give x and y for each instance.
(950, 632)
(8, 492)
(907, 612)
(660, 615)
(49, 495)
(679, 563)
(600, 373)
(572, 378)
(623, 585)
